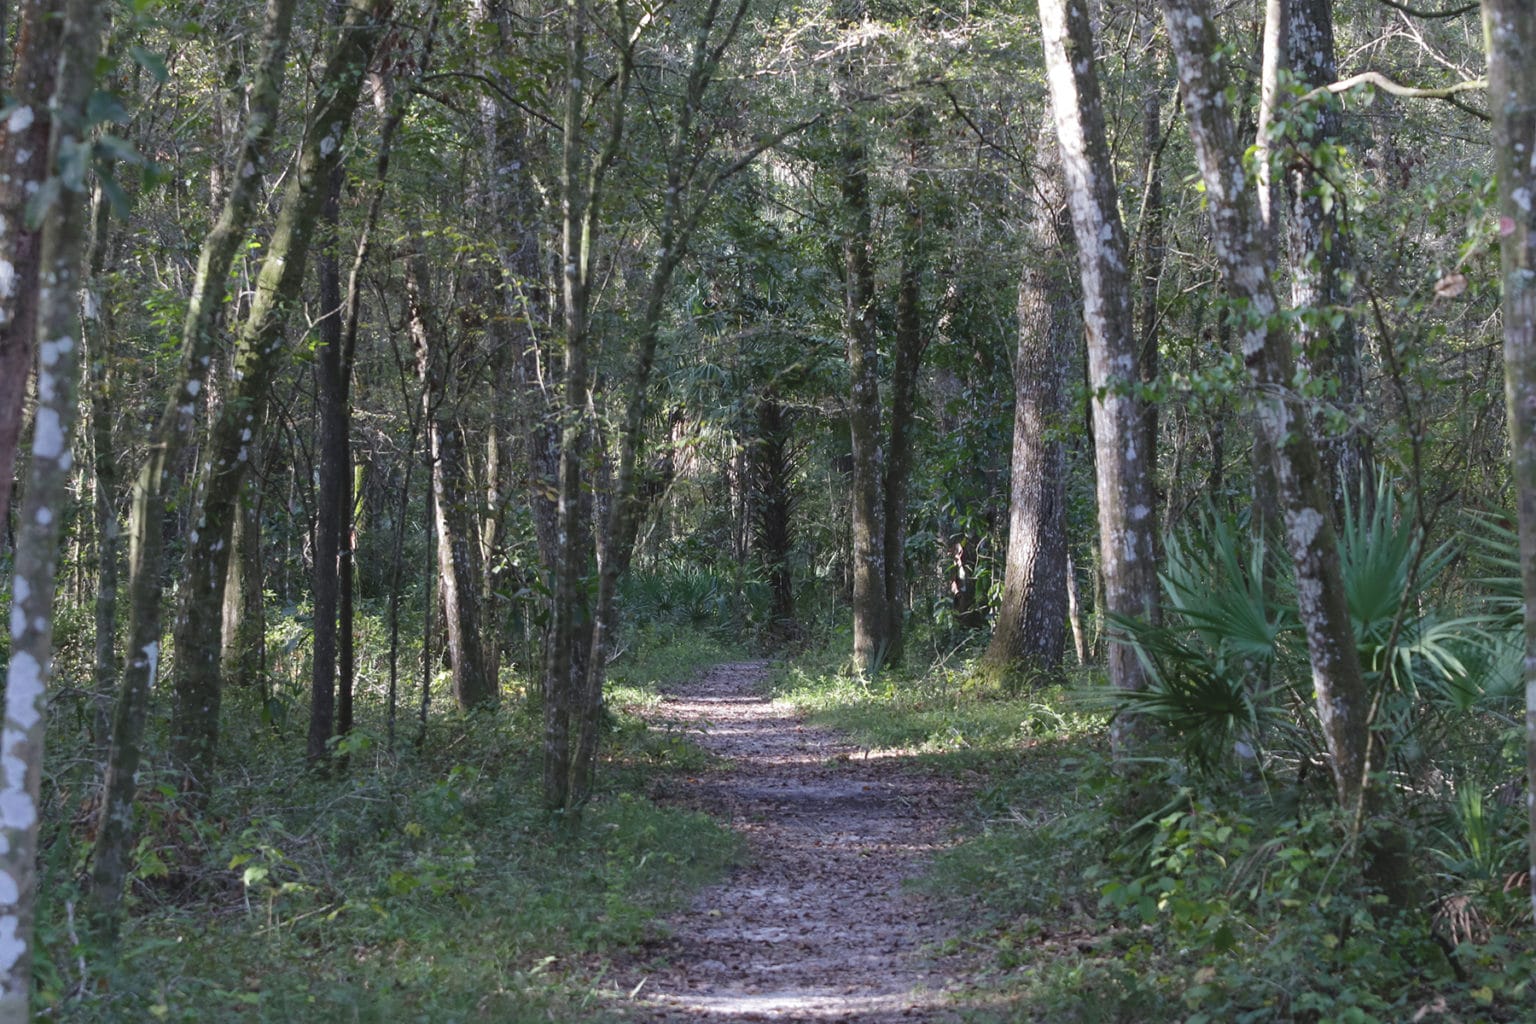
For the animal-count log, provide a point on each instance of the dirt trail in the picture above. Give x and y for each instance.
(817, 925)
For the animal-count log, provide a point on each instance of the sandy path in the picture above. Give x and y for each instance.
(816, 926)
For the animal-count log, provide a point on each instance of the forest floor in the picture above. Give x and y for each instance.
(818, 923)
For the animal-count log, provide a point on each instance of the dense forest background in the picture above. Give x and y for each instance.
(1109, 396)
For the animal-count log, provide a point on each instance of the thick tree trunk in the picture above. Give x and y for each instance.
(1029, 637)
(1509, 28)
(1244, 251)
(146, 554)
(24, 153)
(259, 352)
(1125, 467)
(28, 672)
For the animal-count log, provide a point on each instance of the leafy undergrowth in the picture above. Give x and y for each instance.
(423, 885)
(1093, 898)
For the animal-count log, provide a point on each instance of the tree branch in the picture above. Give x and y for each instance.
(1454, 12)
(1385, 84)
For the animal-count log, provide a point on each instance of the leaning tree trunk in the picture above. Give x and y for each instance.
(1510, 30)
(1029, 638)
(33, 581)
(259, 352)
(1125, 466)
(146, 555)
(1244, 251)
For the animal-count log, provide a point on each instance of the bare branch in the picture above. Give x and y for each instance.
(1385, 84)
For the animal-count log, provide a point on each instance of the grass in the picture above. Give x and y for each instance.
(1157, 895)
(420, 886)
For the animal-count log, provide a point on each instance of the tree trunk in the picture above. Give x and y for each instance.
(908, 355)
(1124, 466)
(28, 672)
(259, 352)
(1327, 350)
(1029, 637)
(1244, 251)
(871, 611)
(95, 329)
(771, 461)
(173, 431)
(334, 472)
(244, 626)
(24, 152)
(459, 567)
(1509, 28)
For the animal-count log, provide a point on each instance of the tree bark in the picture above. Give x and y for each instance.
(771, 467)
(146, 556)
(1125, 467)
(1509, 29)
(1244, 251)
(906, 362)
(1029, 637)
(28, 672)
(334, 471)
(24, 152)
(458, 564)
(871, 610)
(95, 330)
(1327, 339)
(259, 351)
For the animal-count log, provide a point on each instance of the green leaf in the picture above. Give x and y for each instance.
(151, 62)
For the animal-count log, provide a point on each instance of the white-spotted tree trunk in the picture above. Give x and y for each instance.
(1510, 30)
(57, 276)
(1244, 246)
(1125, 466)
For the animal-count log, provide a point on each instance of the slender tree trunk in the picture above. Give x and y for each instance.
(146, 531)
(1029, 637)
(1327, 339)
(334, 472)
(24, 153)
(1151, 247)
(259, 351)
(871, 611)
(1125, 467)
(95, 330)
(1244, 250)
(909, 345)
(29, 670)
(771, 469)
(452, 496)
(569, 618)
(1509, 29)
(244, 626)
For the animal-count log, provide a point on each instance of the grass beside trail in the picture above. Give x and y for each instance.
(422, 885)
(1088, 899)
